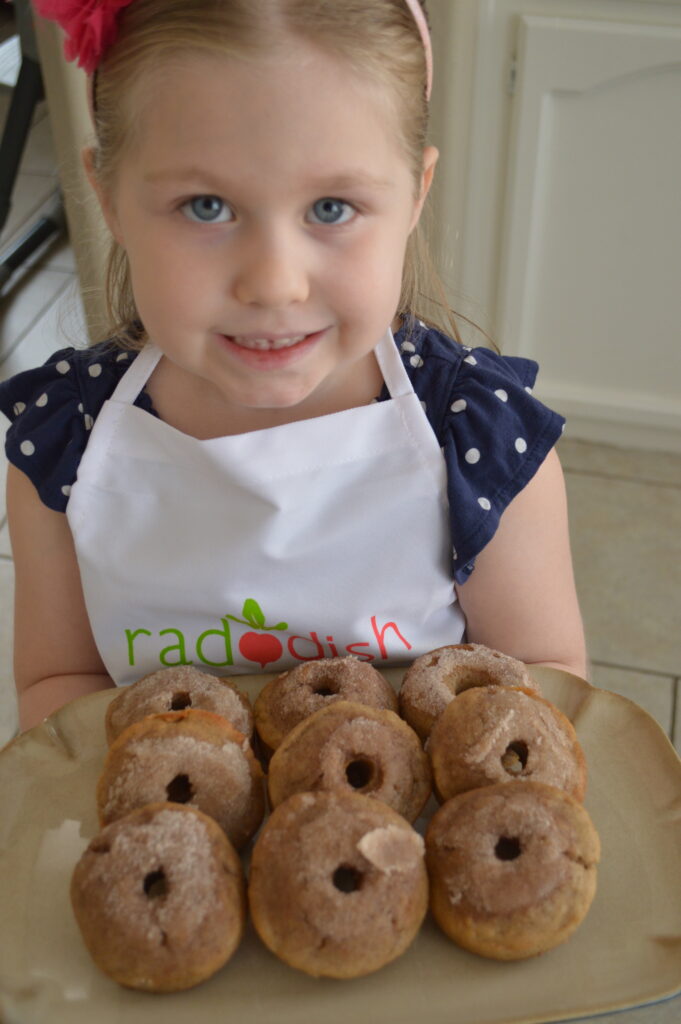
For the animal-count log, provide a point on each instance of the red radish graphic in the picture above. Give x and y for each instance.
(259, 647)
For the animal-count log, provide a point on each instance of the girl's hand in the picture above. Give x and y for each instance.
(521, 597)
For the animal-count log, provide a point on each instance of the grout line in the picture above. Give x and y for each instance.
(622, 479)
(6, 353)
(636, 668)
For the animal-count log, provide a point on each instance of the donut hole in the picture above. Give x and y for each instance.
(179, 701)
(325, 686)
(180, 790)
(507, 848)
(514, 758)
(362, 773)
(347, 879)
(459, 680)
(156, 885)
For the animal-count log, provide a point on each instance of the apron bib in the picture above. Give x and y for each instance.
(314, 539)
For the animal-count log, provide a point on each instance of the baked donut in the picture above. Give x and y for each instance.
(292, 696)
(435, 678)
(159, 897)
(174, 689)
(497, 733)
(188, 757)
(338, 885)
(355, 748)
(512, 868)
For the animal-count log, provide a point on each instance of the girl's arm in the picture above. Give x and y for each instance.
(55, 657)
(521, 598)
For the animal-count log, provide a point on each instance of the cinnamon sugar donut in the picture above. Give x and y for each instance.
(355, 748)
(159, 897)
(497, 733)
(189, 757)
(512, 868)
(338, 885)
(174, 689)
(435, 678)
(292, 696)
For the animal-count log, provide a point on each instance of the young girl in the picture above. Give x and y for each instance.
(272, 459)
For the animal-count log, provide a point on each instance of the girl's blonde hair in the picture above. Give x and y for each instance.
(379, 38)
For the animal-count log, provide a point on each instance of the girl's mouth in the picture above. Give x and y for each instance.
(270, 353)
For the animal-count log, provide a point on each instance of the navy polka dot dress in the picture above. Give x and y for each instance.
(494, 435)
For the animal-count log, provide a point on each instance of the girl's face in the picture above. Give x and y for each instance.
(265, 209)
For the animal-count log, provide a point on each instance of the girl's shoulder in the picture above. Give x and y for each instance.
(493, 432)
(52, 409)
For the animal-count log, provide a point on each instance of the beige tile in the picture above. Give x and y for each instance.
(61, 324)
(626, 540)
(628, 463)
(655, 694)
(22, 306)
(8, 704)
(38, 156)
(30, 193)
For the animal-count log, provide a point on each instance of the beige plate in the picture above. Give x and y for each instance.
(627, 951)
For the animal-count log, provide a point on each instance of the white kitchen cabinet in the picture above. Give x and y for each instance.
(560, 129)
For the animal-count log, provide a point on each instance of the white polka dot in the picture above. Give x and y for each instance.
(416, 361)
(88, 420)
(503, 395)
(62, 366)
(472, 360)
(562, 428)
(459, 405)
(66, 490)
(472, 456)
(121, 356)
(454, 554)
(520, 444)
(421, 323)
(19, 407)
(42, 401)
(407, 346)
(27, 448)
(95, 369)
(485, 503)
(80, 407)
(529, 390)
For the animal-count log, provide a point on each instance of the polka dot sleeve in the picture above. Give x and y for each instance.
(52, 409)
(494, 434)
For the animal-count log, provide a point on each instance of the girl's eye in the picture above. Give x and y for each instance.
(331, 211)
(207, 210)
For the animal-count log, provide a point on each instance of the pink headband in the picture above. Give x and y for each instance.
(90, 27)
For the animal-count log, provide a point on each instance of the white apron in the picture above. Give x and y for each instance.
(314, 539)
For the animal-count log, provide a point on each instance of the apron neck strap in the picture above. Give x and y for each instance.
(137, 374)
(392, 367)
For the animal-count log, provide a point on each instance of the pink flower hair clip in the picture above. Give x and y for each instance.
(90, 27)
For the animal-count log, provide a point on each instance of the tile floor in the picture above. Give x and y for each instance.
(625, 505)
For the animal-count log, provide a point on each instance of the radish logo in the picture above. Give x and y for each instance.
(260, 647)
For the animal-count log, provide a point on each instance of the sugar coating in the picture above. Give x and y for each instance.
(177, 844)
(295, 695)
(154, 694)
(468, 742)
(557, 845)
(435, 678)
(220, 776)
(391, 849)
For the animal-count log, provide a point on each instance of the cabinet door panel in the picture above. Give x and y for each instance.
(590, 271)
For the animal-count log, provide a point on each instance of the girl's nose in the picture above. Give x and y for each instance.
(271, 273)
